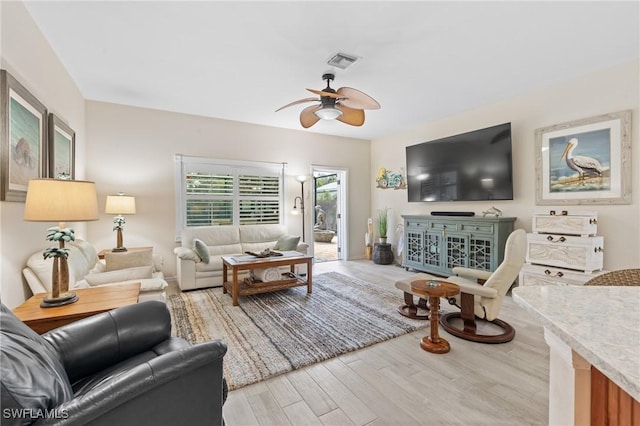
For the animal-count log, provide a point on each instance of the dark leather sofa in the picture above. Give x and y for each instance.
(117, 368)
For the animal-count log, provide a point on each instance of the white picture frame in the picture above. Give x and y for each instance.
(585, 162)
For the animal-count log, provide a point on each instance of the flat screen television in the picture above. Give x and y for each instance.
(473, 166)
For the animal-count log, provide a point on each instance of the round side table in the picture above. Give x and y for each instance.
(434, 290)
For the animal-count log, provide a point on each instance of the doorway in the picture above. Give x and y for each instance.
(329, 228)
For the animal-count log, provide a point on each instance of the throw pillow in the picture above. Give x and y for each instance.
(120, 275)
(287, 243)
(201, 249)
(128, 259)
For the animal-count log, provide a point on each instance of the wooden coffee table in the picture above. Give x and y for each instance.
(434, 289)
(246, 262)
(91, 301)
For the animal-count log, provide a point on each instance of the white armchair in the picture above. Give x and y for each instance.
(482, 298)
(86, 270)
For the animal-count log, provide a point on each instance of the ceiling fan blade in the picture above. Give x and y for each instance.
(307, 116)
(301, 101)
(354, 98)
(352, 116)
(321, 93)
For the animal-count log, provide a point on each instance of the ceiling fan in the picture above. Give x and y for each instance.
(345, 104)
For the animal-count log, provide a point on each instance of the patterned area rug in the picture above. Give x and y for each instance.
(270, 334)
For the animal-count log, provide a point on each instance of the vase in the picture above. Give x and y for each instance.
(382, 240)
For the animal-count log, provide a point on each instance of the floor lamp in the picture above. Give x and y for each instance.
(302, 179)
(57, 200)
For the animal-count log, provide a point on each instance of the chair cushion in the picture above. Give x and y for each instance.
(32, 375)
(120, 275)
(128, 259)
(287, 243)
(211, 235)
(201, 249)
(261, 233)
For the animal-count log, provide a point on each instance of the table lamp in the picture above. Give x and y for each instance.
(120, 204)
(56, 200)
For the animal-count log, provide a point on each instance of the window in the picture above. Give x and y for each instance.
(219, 192)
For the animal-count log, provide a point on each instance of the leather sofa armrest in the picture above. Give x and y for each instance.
(158, 263)
(467, 286)
(180, 387)
(474, 273)
(95, 343)
(34, 283)
(186, 253)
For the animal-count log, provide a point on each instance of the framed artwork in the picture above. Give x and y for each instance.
(62, 149)
(23, 139)
(585, 162)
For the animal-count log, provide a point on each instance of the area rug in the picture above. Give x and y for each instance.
(273, 333)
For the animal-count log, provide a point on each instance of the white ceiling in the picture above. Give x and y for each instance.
(242, 60)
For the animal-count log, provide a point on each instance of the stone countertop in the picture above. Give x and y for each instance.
(601, 324)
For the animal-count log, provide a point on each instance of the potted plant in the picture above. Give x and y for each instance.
(382, 225)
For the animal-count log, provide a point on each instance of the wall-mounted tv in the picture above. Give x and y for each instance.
(473, 166)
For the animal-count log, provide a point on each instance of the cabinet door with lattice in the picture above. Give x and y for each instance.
(457, 251)
(414, 247)
(481, 252)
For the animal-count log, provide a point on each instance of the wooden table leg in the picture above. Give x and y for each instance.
(224, 277)
(467, 313)
(234, 286)
(309, 276)
(434, 343)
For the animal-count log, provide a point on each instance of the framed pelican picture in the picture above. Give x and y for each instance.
(22, 138)
(585, 162)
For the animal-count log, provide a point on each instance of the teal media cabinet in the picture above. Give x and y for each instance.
(437, 244)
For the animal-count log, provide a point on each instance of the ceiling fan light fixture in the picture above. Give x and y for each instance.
(328, 112)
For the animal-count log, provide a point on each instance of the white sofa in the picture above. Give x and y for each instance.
(194, 273)
(86, 270)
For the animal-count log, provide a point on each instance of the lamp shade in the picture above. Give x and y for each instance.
(120, 204)
(57, 200)
(328, 113)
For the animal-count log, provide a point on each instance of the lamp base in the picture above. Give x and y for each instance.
(119, 249)
(65, 298)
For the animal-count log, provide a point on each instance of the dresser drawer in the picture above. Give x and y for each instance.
(547, 275)
(415, 224)
(582, 223)
(477, 228)
(579, 253)
(443, 226)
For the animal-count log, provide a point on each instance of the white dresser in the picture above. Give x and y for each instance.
(563, 249)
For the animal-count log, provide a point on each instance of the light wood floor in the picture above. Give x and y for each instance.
(397, 383)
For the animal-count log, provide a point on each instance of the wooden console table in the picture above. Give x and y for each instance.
(243, 263)
(91, 301)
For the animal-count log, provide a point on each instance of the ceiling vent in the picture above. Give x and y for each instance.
(342, 60)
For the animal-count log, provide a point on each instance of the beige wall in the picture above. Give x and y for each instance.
(603, 92)
(131, 150)
(29, 58)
